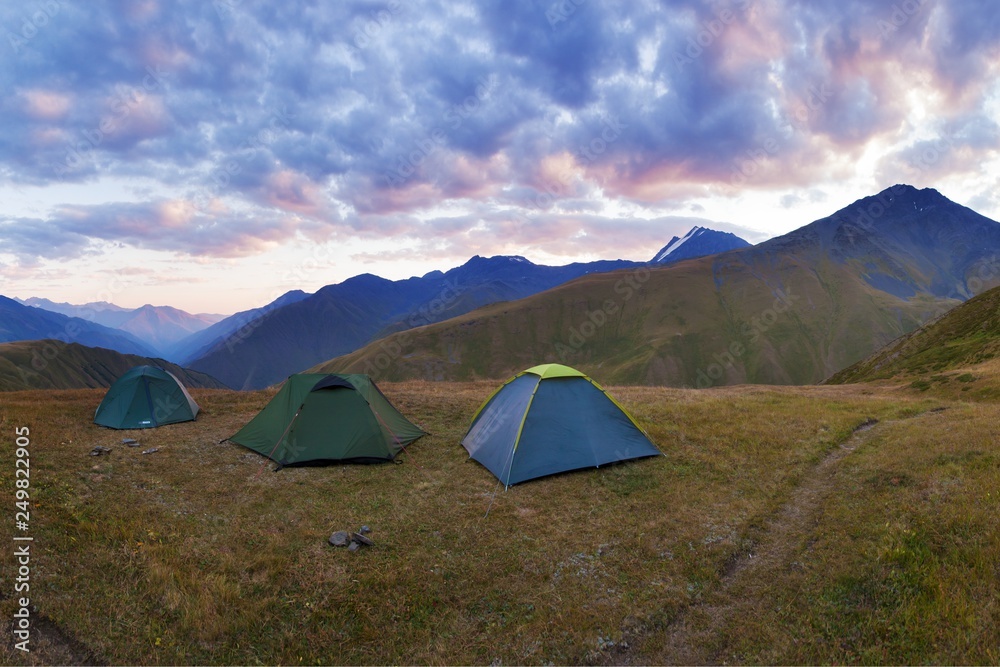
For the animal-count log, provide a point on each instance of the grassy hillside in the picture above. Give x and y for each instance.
(53, 364)
(967, 335)
(743, 543)
(728, 319)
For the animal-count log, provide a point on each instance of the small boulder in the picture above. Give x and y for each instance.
(340, 539)
(97, 451)
(353, 546)
(365, 530)
(152, 450)
(361, 539)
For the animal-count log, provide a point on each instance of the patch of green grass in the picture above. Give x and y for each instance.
(900, 565)
(920, 385)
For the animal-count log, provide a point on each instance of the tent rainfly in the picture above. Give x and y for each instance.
(551, 419)
(317, 418)
(145, 397)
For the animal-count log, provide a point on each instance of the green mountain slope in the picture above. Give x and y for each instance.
(792, 310)
(699, 323)
(53, 364)
(967, 335)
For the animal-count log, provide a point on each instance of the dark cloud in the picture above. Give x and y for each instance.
(388, 110)
(966, 42)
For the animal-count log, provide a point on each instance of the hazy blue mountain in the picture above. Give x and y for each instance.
(163, 327)
(198, 344)
(101, 312)
(19, 322)
(159, 327)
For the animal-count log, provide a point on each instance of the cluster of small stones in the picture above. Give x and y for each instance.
(101, 450)
(353, 541)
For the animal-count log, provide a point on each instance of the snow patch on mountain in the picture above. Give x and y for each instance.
(698, 242)
(676, 243)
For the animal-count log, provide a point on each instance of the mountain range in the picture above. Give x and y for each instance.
(159, 327)
(341, 318)
(792, 310)
(258, 347)
(19, 322)
(198, 344)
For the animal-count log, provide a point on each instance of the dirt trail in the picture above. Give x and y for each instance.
(693, 638)
(49, 645)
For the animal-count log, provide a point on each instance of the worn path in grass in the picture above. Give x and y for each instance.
(50, 645)
(697, 635)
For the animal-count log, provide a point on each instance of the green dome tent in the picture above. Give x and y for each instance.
(317, 418)
(145, 397)
(551, 419)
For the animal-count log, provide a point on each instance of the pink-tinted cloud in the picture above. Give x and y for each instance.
(284, 117)
(46, 105)
(165, 225)
(292, 192)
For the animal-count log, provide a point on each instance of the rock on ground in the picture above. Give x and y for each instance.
(340, 539)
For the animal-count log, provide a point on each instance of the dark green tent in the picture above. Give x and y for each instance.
(145, 397)
(551, 419)
(317, 418)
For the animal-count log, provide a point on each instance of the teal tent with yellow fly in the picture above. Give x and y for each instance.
(550, 419)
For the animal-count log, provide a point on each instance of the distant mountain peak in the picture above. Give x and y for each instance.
(698, 242)
(360, 280)
(497, 259)
(675, 243)
(19, 322)
(874, 207)
(68, 308)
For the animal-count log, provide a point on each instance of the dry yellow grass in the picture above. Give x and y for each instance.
(200, 554)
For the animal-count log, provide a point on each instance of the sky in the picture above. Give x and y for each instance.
(214, 154)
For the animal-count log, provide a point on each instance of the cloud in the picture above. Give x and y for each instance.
(277, 119)
(167, 225)
(961, 145)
